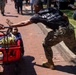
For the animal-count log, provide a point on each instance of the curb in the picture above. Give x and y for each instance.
(67, 54)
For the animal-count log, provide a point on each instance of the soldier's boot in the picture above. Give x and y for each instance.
(49, 65)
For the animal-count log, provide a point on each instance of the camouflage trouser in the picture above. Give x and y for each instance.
(53, 38)
(2, 6)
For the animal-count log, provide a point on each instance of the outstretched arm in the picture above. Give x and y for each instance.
(22, 23)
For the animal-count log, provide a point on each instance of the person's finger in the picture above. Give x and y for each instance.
(9, 22)
(1, 26)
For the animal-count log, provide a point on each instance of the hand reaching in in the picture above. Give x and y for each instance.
(9, 22)
(1, 26)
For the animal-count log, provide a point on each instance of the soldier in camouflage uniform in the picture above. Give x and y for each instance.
(65, 34)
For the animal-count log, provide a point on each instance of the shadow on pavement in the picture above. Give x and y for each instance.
(10, 15)
(26, 67)
(8, 69)
(68, 69)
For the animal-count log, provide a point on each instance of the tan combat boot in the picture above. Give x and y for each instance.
(49, 65)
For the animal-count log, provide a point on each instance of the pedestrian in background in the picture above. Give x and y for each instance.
(19, 4)
(2, 6)
(72, 5)
(50, 3)
(31, 3)
(15, 4)
(27, 2)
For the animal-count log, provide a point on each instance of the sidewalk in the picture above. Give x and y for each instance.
(34, 54)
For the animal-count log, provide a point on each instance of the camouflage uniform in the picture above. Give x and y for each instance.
(65, 34)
